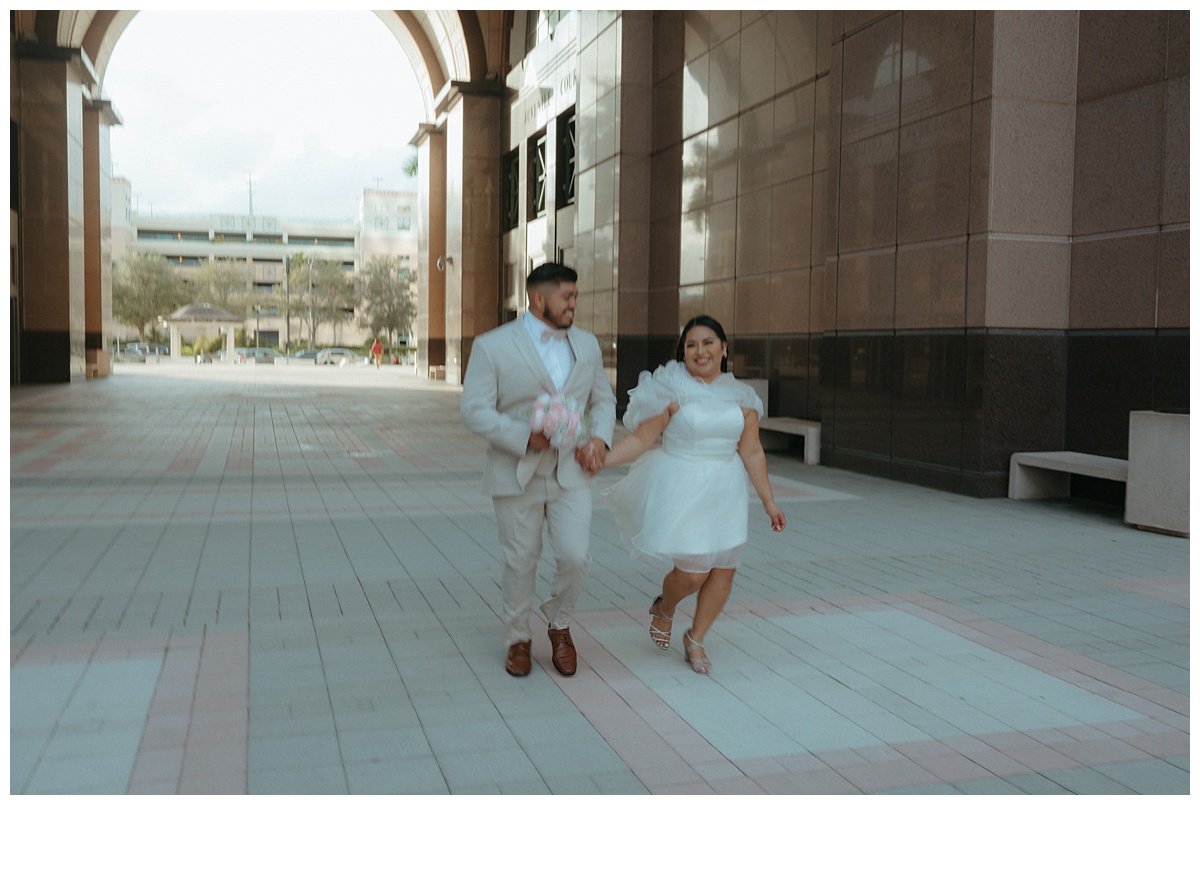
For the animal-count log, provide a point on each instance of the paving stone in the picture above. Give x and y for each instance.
(332, 528)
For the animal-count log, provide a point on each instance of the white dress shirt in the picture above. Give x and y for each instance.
(555, 351)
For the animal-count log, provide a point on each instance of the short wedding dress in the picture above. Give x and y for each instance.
(686, 504)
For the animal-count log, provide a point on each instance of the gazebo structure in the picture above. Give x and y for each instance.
(200, 319)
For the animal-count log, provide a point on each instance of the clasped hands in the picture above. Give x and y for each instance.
(589, 456)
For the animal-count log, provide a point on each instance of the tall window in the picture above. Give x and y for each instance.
(510, 190)
(565, 159)
(537, 175)
(540, 25)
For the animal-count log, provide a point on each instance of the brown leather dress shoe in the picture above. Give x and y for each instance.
(562, 651)
(519, 662)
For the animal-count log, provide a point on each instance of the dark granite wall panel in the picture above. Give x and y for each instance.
(1109, 374)
(927, 416)
(45, 357)
(865, 390)
(1023, 395)
(1172, 370)
(947, 409)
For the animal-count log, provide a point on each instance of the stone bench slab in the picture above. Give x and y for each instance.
(1048, 474)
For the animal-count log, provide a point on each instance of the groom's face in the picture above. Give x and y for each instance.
(555, 303)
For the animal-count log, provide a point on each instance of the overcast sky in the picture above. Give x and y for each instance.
(311, 106)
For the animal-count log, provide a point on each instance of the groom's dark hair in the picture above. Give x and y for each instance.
(550, 273)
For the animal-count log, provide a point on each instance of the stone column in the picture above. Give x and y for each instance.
(631, 223)
(98, 116)
(431, 246)
(50, 88)
(472, 218)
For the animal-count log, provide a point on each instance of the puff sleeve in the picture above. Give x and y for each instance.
(743, 394)
(650, 398)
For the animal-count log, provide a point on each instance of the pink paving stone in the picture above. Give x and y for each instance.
(802, 763)
(1040, 758)
(825, 782)
(1101, 752)
(1118, 729)
(1003, 741)
(217, 702)
(159, 765)
(163, 733)
(171, 704)
(690, 788)
(880, 754)
(718, 770)
(218, 729)
(1152, 726)
(148, 787)
(735, 786)
(885, 775)
(953, 767)
(918, 750)
(56, 653)
(997, 763)
(765, 767)
(1173, 743)
(837, 758)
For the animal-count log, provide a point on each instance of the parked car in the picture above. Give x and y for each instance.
(131, 353)
(338, 356)
(156, 349)
(305, 355)
(258, 354)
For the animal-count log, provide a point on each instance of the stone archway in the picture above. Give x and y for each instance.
(61, 233)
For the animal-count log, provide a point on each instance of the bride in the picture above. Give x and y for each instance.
(686, 503)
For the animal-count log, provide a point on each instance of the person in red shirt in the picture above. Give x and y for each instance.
(377, 352)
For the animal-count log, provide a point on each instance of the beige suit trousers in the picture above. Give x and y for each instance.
(566, 515)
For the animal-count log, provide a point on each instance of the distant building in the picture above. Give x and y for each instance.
(385, 226)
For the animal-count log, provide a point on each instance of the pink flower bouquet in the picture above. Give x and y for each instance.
(561, 419)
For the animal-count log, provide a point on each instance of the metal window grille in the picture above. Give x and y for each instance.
(511, 184)
(537, 176)
(566, 158)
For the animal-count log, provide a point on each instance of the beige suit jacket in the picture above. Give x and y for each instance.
(504, 377)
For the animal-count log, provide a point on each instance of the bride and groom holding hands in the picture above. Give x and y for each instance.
(684, 504)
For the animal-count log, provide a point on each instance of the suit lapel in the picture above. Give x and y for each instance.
(574, 341)
(524, 346)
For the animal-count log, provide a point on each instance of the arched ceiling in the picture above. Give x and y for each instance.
(441, 45)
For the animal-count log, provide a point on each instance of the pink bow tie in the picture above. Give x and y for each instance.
(547, 334)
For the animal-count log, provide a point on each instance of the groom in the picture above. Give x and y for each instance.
(532, 484)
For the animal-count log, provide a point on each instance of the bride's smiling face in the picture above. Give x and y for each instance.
(703, 351)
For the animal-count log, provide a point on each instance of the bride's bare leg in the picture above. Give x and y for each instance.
(709, 602)
(676, 587)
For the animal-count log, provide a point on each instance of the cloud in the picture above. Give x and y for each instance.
(317, 106)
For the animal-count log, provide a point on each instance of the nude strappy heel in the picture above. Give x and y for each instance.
(698, 662)
(662, 638)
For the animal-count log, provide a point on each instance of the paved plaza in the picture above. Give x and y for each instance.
(283, 580)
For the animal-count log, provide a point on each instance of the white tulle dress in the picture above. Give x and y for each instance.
(685, 504)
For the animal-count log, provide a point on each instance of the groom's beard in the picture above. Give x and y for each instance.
(556, 319)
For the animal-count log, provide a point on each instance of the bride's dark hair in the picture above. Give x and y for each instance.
(703, 320)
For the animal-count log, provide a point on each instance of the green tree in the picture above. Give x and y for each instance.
(144, 288)
(409, 166)
(224, 283)
(321, 289)
(387, 297)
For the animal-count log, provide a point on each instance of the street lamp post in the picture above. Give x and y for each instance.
(287, 315)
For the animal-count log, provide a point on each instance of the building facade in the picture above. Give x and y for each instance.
(384, 227)
(947, 235)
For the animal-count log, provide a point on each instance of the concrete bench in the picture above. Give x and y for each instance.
(1048, 474)
(775, 430)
